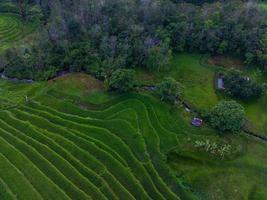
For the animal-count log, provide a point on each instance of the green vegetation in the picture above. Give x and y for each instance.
(14, 94)
(115, 147)
(122, 80)
(221, 150)
(256, 112)
(197, 74)
(170, 90)
(263, 5)
(88, 153)
(237, 177)
(239, 86)
(94, 130)
(73, 41)
(227, 116)
(196, 77)
(13, 29)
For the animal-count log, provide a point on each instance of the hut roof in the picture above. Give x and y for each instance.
(197, 122)
(220, 84)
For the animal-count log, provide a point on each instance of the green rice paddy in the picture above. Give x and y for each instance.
(12, 29)
(93, 153)
(89, 144)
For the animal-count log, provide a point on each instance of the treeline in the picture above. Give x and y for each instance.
(99, 36)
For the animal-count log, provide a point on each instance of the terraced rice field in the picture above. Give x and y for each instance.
(53, 149)
(64, 143)
(12, 29)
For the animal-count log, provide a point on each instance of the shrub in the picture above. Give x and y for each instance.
(158, 58)
(227, 116)
(240, 86)
(170, 90)
(122, 80)
(221, 150)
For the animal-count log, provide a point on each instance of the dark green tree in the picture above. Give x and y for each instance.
(122, 80)
(125, 33)
(158, 58)
(78, 57)
(22, 4)
(240, 86)
(170, 90)
(227, 116)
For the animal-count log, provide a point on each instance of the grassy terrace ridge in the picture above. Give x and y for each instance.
(16, 180)
(89, 174)
(66, 123)
(93, 157)
(84, 143)
(13, 29)
(72, 119)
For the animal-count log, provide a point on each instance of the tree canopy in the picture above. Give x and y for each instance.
(122, 80)
(227, 116)
(240, 86)
(144, 34)
(170, 90)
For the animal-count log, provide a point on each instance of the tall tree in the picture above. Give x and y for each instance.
(227, 116)
(21, 4)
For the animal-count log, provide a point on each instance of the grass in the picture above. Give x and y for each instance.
(197, 79)
(239, 178)
(257, 109)
(36, 136)
(197, 74)
(223, 180)
(83, 87)
(257, 113)
(43, 184)
(13, 29)
(85, 143)
(17, 181)
(263, 6)
(98, 154)
(12, 93)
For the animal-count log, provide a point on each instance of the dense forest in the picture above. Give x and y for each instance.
(100, 36)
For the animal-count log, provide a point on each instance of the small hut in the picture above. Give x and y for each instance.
(247, 78)
(150, 88)
(220, 83)
(197, 122)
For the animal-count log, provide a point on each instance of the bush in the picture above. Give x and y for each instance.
(122, 80)
(227, 116)
(170, 90)
(158, 58)
(25, 66)
(240, 86)
(221, 150)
